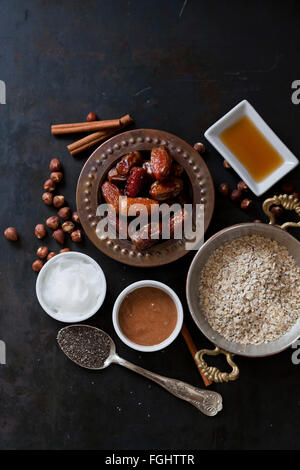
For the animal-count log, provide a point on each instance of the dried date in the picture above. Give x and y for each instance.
(161, 162)
(135, 182)
(115, 178)
(127, 162)
(133, 204)
(167, 189)
(111, 194)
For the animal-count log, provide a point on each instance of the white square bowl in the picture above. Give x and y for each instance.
(213, 136)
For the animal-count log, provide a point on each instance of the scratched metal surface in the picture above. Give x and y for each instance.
(177, 66)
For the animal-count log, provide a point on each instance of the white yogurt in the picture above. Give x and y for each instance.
(71, 287)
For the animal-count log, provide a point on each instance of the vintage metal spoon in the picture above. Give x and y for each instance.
(94, 349)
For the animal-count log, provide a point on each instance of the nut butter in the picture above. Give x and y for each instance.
(147, 316)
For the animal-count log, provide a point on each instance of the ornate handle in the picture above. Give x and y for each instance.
(208, 402)
(213, 373)
(288, 202)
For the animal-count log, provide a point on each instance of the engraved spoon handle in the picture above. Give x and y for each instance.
(208, 402)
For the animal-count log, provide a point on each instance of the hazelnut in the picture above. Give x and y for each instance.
(55, 165)
(246, 204)
(52, 222)
(76, 236)
(242, 186)
(49, 185)
(236, 195)
(257, 221)
(56, 176)
(92, 117)
(40, 231)
(277, 211)
(64, 213)
(224, 189)
(47, 198)
(58, 201)
(51, 254)
(59, 236)
(199, 147)
(64, 250)
(75, 217)
(68, 226)
(288, 187)
(11, 234)
(42, 251)
(37, 265)
(226, 165)
(296, 195)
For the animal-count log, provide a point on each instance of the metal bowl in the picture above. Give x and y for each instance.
(95, 172)
(192, 288)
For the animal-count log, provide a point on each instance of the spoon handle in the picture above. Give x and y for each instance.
(206, 401)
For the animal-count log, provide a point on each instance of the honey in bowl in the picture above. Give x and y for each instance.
(251, 148)
(147, 316)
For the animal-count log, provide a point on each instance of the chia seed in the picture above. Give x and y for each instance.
(86, 346)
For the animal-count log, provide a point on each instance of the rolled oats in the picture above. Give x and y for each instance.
(250, 290)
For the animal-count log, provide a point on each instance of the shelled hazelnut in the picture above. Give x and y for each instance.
(40, 231)
(199, 147)
(68, 226)
(288, 187)
(58, 201)
(11, 234)
(226, 165)
(277, 211)
(37, 265)
(59, 236)
(236, 195)
(52, 222)
(49, 186)
(92, 117)
(246, 204)
(224, 189)
(76, 236)
(64, 250)
(51, 255)
(242, 186)
(55, 165)
(47, 198)
(42, 252)
(75, 217)
(64, 213)
(56, 176)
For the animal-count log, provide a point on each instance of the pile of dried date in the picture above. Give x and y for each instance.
(148, 182)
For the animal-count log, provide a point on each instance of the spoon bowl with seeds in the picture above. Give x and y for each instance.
(92, 348)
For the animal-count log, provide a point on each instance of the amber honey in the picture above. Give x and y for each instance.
(251, 148)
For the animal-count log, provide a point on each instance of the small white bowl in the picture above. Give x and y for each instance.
(43, 273)
(175, 332)
(213, 136)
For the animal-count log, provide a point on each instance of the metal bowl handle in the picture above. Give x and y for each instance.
(288, 202)
(213, 373)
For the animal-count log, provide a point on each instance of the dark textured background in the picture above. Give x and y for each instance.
(176, 66)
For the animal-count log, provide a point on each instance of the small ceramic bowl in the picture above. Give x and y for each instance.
(175, 332)
(244, 108)
(72, 318)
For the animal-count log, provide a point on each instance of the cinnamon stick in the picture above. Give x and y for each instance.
(97, 137)
(58, 129)
(193, 349)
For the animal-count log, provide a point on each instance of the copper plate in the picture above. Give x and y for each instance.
(94, 173)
